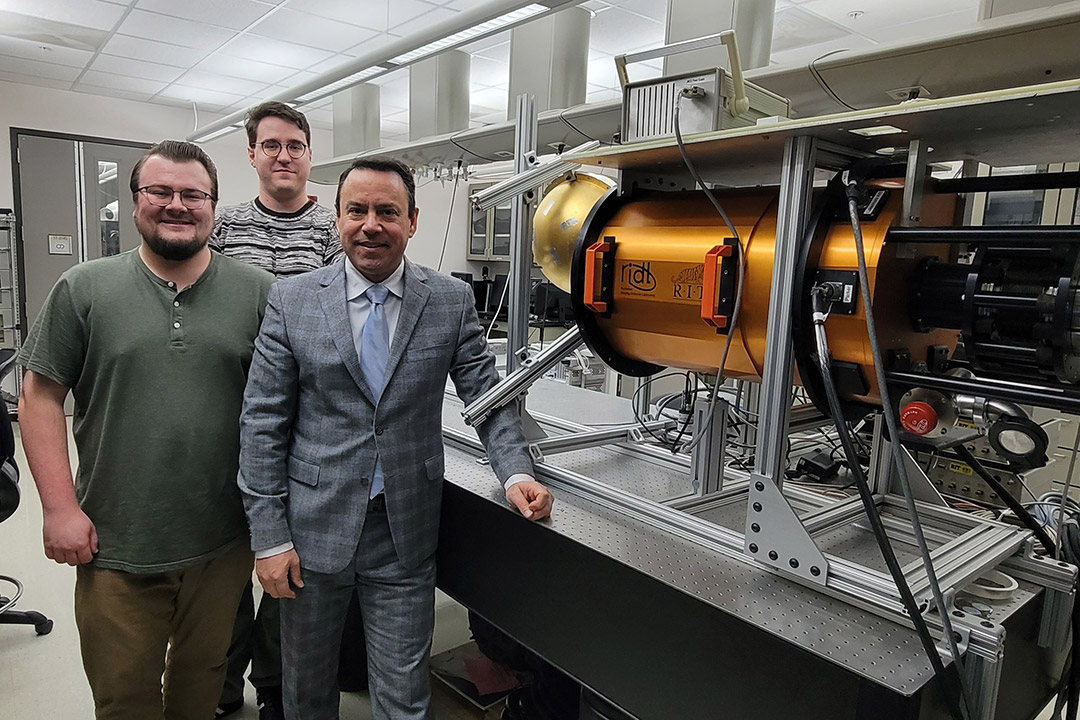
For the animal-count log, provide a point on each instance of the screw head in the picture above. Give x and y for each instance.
(815, 570)
(773, 555)
(755, 527)
(753, 547)
(759, 486)
(793, 563)
(757, 507)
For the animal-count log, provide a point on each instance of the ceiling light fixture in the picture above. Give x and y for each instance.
(875, 130)
(472, 24)
(459, 38)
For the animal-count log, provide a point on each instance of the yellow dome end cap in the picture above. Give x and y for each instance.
(558, 221)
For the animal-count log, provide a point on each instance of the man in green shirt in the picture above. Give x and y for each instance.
(154, 345)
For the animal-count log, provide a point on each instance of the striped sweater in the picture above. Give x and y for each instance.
(285, 244)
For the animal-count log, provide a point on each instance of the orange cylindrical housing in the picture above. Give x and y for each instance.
(661, 243)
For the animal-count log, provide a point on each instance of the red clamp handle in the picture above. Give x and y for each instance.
(591, 301)
(711, 284)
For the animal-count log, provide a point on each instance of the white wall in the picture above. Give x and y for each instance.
(39, 108)
(433, 200)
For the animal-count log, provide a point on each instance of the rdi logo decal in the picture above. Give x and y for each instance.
(639, 276)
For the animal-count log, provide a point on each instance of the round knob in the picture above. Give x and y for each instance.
(918, 418)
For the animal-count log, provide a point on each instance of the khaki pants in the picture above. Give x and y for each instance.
(135, 628)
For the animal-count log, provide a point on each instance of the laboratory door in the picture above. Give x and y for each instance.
(73, 204)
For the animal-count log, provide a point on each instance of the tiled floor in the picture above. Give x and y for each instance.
(41, 678)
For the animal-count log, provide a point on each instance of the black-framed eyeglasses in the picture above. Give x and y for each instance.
(295, 148)
(162, 195)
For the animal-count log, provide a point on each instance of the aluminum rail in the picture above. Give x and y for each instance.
(517, 382)
(524, 181)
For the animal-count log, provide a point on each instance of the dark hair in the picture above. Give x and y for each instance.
(181, 152)
(274, 109)
(380, 164)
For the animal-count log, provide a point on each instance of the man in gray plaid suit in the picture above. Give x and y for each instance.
(341, 459)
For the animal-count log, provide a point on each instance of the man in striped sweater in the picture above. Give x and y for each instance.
(287, 233)
(282, 230)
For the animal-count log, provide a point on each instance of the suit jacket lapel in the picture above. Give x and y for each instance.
(332, 298)
(412, 305)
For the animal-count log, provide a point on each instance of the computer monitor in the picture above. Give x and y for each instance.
(467, 277)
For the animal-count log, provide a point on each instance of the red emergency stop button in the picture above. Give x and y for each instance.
(918, 418)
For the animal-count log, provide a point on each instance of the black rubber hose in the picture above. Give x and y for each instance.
(950, 680)
(1006, 497)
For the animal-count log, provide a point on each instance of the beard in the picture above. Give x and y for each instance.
(174, 249)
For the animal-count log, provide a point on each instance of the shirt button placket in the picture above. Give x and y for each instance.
(177, 317)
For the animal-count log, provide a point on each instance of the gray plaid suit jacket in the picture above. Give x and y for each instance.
(310, 429)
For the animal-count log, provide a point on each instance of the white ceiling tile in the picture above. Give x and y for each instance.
(150, 50)
(85, 13)
(275, 52)
(51, 33)
(616, 31)
(651, 9)
(135, 68)
(794, 27)
(410, 16)
(236, 67)
(153, 26)
(602, 95)
(312, 30)
(602, 72)
(395, 114)
(490, 98)
(234, 14)
(596, 5)
(222, 83)
(38, 68)
(201, 95)
(112, 92)
(488, 72)
(29, 50)
(331, 63)
(120, 82)
(365, 14)
(394, 128)
(878, 15)
(34, 80)
(498, 53)
(595, 54)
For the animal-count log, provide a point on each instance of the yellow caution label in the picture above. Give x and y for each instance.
(959, 468)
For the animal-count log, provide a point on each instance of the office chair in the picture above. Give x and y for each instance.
(9, 500)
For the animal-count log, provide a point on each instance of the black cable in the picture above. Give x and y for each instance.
(633, 405)
(950, 680)
(853, 190)
(1006, 497)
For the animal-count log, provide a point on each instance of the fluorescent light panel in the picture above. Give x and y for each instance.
(341, 84)
(463, 36)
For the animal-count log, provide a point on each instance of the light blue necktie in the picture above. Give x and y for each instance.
(374, 354)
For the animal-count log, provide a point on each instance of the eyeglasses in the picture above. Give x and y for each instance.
(162, 195)
(295, 148)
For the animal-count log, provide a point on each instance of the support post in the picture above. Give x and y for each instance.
(774, 534)
(517, 335)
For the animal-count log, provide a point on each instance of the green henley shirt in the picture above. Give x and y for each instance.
(158, 381)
